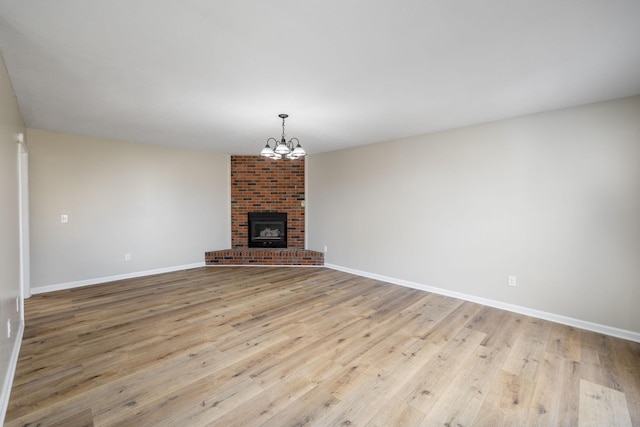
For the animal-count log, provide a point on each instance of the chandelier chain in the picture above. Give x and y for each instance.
(283, 134)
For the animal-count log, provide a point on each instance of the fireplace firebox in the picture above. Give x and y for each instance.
(267, 229)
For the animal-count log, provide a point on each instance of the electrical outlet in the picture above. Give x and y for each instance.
(64, 218)
(325, 249)
(512, 281)
(18, 304)
(127, 256)
(8, 328)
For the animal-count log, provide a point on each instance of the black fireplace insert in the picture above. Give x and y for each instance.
(267, 229)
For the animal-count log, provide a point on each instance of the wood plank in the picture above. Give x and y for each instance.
(602, 406)
(462, 399)
(431, 381)
(626, 362)
(528, 350)
(507, 402)
(555, 400)
(396, 413)
(377, 384)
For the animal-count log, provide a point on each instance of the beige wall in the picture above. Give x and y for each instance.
(164, 206)
(551, 198)
(11, 124)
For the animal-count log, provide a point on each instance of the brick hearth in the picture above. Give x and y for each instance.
(259, 256)
(259, 184)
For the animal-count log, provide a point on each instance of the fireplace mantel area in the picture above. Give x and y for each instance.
(263, 188)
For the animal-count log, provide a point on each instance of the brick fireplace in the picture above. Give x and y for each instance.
(259, 184)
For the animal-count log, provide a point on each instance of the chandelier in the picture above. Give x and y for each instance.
(283, 148)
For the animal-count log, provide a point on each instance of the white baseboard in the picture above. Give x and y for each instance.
(11, 371)
(71, 285)
(569, 321)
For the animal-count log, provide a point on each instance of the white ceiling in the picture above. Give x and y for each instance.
(214, 75)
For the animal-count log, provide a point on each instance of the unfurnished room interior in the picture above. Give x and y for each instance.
(336, 213)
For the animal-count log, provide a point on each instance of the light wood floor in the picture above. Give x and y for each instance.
(247, 346)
